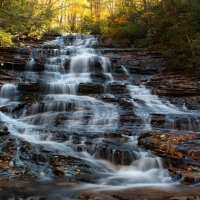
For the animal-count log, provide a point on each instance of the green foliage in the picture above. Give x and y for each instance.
(125, 30)
(172, 30)
(18, 17)
(116, 44)
(140, 43)
(104, 28)
(131, 30)
(174, 33)
(5, 39)
(91, 27)
(167, 26)
(59, 28)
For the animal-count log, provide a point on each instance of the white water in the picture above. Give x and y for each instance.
(87, 114)
(146, 104)
(151, 103)
(146, 170)
(98, 115)
(7, 94)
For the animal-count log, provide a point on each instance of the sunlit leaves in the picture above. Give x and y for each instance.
(5, 39)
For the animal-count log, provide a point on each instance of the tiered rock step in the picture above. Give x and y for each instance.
(140, 64)
(14, 58)
(178, 88)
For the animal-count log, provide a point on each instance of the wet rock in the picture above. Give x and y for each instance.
(173, 164)
(59, 121)
(11, 167)
(165, 144)
(104, 152)
(121, 197)
(30, 92)
(176, 176)
(4, 133)
(178, 92)
(67, 65)
(144, 193)
(145, 135)
(98, 77)
(88, 142)
(36, 67)
(95, 66)
(59, 172)
(191, 179)
(26, 147)
(180, 89)
(6, 162)
(69, 39)
(76, 139)
(110, 149)
(87, 88)
(157, 120)
(3, 127)
(16, 109)
(117, 89)
(195, 153)
(124, 157)
(132, 118)
(125, 104)
(29, 87)
(177, 153)
(139, 70)
(10, 61)
(184, 198)
(9, 76)
(68, 166)
(9, 147)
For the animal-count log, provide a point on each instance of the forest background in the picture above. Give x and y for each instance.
(171, 27)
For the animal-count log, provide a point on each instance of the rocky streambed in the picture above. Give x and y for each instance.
(77, 118)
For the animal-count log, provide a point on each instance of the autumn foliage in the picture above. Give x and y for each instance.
(167, 26)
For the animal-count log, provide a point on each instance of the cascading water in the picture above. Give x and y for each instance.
(8, 94)
(87, 121)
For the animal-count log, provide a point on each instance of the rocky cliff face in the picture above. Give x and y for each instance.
(140, 96)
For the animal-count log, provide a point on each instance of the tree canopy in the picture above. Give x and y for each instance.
(168, 26)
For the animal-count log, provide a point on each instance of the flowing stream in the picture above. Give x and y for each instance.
(71, 123)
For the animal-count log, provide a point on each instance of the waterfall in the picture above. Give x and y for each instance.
(8, 93)
(98, 124)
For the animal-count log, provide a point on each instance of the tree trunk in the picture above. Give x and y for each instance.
(165, 4)
(144, 4)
